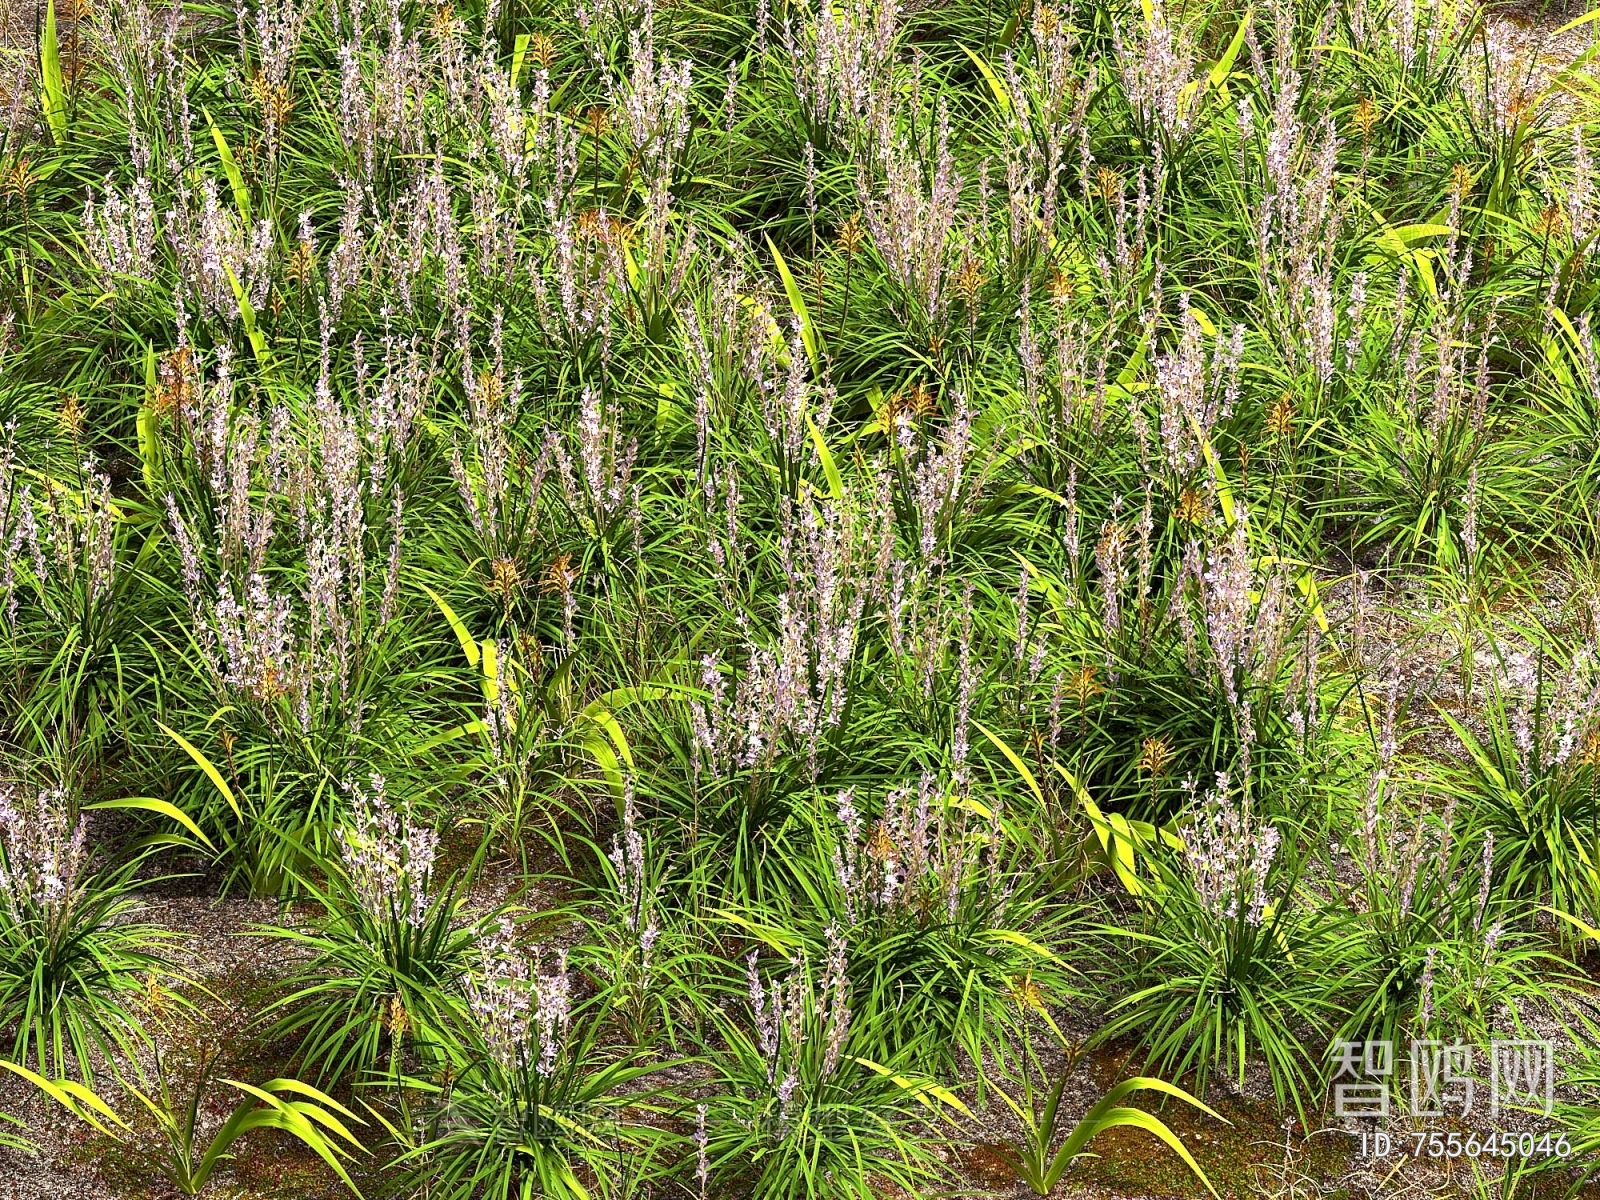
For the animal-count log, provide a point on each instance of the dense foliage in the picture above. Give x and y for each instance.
(735, 565)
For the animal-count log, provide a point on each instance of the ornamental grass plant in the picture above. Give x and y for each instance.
(720, 567)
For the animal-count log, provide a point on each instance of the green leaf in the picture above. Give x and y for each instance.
(230, 168)
(205, 765)
(247, 316)
(1022, 767)
(781, 940)
(1479, 755)
(450, 735)
(1404, 235)
(1078, 790)
(145, 426)
(830, 469)
(1307, 584)
(1108, 1113)
(1120, 839)
(1224, 492)
(294, 1117)
(320, 1101)
(1589, 932)
(164, 808)
(797, 302)
(1002, 97)
(469, 644)
(1139, 1119)
(1561, 318)
(1149, 1083)
(924, 1091)
(519, 52)
(600, 715)
(72, 1096)
(53, 97)
(1013, 938)
(1573, 24)
(601, 721)
(491, 671)
(1224, 65)
(635, 278)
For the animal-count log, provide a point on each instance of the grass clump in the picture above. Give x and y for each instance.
(728, 567)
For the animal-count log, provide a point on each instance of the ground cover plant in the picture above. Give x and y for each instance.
(786, 599)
